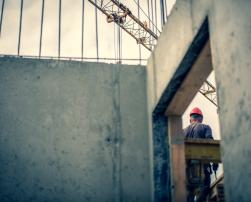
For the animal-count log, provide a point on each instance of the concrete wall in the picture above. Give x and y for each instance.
(231, 48)
(73, 131)
(230, 33)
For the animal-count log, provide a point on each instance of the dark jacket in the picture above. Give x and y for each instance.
(198, 130)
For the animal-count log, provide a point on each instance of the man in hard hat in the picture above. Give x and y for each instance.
(198, 175)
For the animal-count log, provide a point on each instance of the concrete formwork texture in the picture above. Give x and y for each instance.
(73, 131)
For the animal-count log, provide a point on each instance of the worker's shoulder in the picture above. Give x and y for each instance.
(192, 125)
(196, 125)
(202, 125)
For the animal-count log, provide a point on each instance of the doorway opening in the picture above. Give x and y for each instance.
(171, 115)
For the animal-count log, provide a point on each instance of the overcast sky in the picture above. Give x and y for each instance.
(71, 29)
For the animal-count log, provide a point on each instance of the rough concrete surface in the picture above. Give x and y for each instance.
(72, 131)
(230, 33)
(231, 48)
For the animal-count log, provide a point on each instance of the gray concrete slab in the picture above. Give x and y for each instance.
(231, 48)
(73, 131)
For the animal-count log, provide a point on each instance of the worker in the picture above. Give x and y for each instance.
(118, 17)
(141, 40)
(198, 174)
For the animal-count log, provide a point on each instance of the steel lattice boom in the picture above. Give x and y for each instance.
(209, 91)
(121, 15)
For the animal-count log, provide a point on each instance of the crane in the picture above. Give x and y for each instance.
(121, 15)
(209, 91)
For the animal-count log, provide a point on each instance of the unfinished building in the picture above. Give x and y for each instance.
(80, 131)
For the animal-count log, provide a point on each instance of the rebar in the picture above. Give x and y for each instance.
(20, 27)
(1, 19)
(41, 29)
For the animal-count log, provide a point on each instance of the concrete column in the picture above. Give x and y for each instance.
(230, 29)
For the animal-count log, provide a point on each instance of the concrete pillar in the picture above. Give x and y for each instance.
(230, 29)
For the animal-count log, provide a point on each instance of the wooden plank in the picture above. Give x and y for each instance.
(203, 149)
(177, 152)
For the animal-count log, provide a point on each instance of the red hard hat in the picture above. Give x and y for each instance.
(196, 110)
